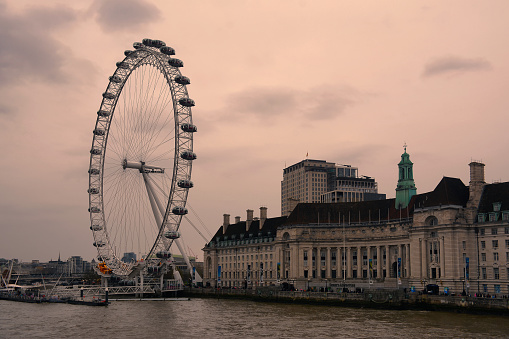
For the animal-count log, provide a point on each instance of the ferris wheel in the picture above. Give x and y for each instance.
(141, 160)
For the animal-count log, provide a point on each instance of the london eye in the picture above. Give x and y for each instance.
(141, 160)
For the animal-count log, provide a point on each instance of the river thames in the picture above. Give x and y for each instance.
(219, 318)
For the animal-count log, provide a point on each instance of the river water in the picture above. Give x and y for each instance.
(219, 318)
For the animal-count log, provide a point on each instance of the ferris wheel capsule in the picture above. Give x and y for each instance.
(176, 62)
(167, 50)
(115, 78)
(163, 254)
(93, 190)
(107, 95)
(94, 209)
(123, 65)
(188, 102)
(137, 45)
(179, 210)
(95, 151)
(99, 131)
(147, 42)
(99, 243)
(103, 113)
(182, 80)
(188, 155)
(158, 43)
(94, 171)
(185, 184)
(189, 128)
(172, 235)
(96, 227)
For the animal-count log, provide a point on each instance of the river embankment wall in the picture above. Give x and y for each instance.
(377, 299)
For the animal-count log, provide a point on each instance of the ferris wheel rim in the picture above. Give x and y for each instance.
(182, 157)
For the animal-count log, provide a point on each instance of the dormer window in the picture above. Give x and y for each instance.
(480, 217)
(496, 206)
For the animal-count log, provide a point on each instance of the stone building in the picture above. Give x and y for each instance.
(455, 237)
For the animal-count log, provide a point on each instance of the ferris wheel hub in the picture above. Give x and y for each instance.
(141, 166)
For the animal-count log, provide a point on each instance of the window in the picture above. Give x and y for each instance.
(483, 256)
(485, 288)
(483, 272)
(305, 258)
(483, 244)
(494, 231)
(305, 273)
(507, 243)
(464, 243)
(496, 206)
(507, 259)
(322, 258)
(480, 218)
(495, 256)
(496, 273)
(322, 274)
(365, 258)
(333, 258)
(354, 258)
(482, 231)
(497, 288)
(494, 243)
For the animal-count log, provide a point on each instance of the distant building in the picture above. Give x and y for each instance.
(455, 237)
(320, 181)
(129, 257)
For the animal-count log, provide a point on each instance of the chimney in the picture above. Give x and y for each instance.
(226, 222)
(237, 219)
(249, 219)
(263, 215)
(476, 186)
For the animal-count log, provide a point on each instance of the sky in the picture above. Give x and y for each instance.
(348, 82)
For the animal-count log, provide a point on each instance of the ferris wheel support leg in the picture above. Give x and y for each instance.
(154, 202)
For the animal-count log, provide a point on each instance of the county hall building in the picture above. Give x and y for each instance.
(455, 237)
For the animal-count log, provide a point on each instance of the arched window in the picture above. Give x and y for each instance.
(286, 236)
(431, 221)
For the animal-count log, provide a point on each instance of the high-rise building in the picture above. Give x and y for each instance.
(317, 181)
(304, 182)
(348, 186)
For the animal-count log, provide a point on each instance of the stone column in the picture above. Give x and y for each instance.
(349, 262)
(328, 263)
(407, 260)
(339, 263)
(424, 261)
(368, 250)
(378, 262)
(442, 258)
(387, 261)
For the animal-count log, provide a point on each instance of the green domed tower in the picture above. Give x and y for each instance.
(406, 185)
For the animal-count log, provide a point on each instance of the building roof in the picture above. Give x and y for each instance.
(449, 191)
(493, 193)
(238, 230)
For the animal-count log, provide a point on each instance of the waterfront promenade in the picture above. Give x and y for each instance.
(376, 299)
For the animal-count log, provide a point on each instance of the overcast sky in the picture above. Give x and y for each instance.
(344, 81)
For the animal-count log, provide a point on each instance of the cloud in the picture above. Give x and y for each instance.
(29, 52)
(124, 15)
(455, 65)
(318, 103)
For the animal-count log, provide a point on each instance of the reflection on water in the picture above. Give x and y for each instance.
(213, 318)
